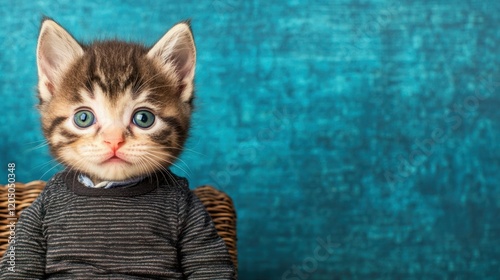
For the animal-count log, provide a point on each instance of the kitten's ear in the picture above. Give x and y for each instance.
(176, 50)
(56, 50)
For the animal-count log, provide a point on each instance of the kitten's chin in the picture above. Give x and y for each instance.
(114, 170)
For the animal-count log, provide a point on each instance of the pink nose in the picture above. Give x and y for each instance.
(113, 138)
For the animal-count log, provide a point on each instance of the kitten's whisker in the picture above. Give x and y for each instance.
(173, 179)
(149, 170)
(180, 147)
(49, 170)
(37, 147)
(40, 166)
(195, 152)
(187, 166)
(56, 160)
(34, 142)
(142, 166)
(164, 86)
(156, 165)
(144, 84)
(188, 174)
(71, 168)
(162, 149)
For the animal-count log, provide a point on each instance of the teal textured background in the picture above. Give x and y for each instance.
(370, 127)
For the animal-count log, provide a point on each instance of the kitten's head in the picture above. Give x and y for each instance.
(115, 110)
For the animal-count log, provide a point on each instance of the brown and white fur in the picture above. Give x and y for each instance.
(113, 80)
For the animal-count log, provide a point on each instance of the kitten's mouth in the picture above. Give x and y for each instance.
(115, 159)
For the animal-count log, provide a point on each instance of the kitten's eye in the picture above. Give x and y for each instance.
(84, 118)
(143, 119)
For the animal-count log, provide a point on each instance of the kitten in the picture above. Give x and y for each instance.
(115, 110)
(116, 114)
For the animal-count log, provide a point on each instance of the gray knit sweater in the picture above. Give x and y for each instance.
(157, 229)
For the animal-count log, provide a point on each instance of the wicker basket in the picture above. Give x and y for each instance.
(218, 204)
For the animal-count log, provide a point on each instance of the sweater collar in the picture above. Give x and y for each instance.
(85, 180)
(143, 186)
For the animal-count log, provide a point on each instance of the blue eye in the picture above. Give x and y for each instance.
(143, 119)
(84, 118)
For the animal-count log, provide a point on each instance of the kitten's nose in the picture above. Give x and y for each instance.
(113, 138)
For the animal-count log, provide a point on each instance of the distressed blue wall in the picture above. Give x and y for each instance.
(372, 126)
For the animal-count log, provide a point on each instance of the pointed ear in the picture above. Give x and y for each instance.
(176, 50)
(56, 50)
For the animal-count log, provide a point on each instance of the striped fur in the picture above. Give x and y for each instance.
(114, 79)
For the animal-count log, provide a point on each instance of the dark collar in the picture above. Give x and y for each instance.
(147, 185)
